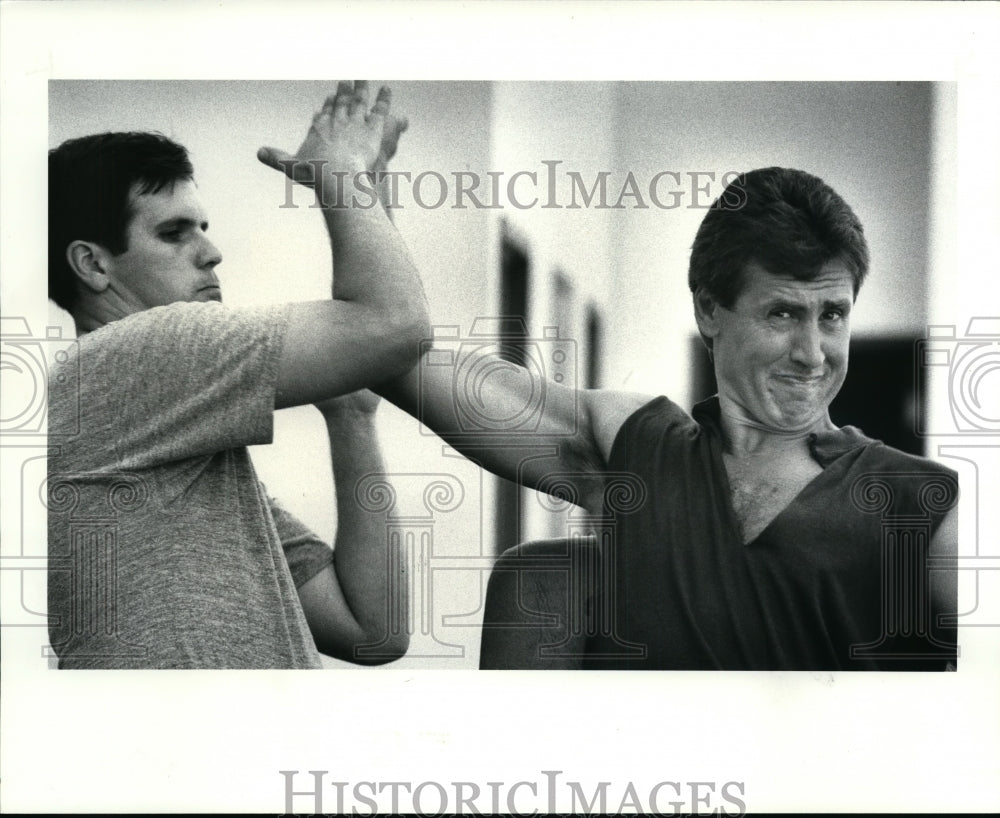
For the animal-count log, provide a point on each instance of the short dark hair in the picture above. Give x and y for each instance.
(89, 183)
(787, 221)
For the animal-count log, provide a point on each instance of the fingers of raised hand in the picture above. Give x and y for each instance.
(339, 105)
(286, 163)
(359, 102)
(391, 130)
(350, 101)
(382, 103)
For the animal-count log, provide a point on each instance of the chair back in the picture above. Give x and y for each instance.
(542, 604)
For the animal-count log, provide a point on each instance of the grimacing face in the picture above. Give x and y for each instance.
(169, 257)
(781, 351)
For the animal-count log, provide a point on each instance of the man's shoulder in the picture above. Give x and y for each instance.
(869, 453)
(170, 317)
(609, 410)
(888, 480)
(190, 329)
(896, 460)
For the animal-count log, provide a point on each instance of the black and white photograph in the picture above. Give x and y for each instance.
(428, 375)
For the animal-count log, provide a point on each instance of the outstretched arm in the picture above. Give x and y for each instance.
(516, 422)
(535, 427)
(357, 607)
(371, 328)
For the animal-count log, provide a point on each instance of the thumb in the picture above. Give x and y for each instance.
(277, 159)
(395, 126)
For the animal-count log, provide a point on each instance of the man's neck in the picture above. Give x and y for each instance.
(746, 437)
(94, 312)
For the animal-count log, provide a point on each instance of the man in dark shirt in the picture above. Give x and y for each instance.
(757, 538)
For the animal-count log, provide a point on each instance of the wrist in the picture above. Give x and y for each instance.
(355, 409)
(349, 416)
(343, 188)
(347, 431)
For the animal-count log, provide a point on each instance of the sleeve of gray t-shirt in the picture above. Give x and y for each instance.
(189, 380)
(305, 552)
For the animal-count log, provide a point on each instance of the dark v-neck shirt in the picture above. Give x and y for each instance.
(836, 581)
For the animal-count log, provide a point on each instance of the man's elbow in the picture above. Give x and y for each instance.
(416, 327)
(389, 651)
(407, 330)
(370, 652)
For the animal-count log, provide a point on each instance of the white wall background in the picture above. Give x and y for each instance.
(870, 141)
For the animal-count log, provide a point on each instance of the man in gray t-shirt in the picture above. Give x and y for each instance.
(165, 550)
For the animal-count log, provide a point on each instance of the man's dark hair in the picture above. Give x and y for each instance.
(89, 183)
(787, 221)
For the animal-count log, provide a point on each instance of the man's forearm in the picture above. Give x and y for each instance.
(557, 439)
(384, 191)
(372, 266)
(372, 327)
(372, 579)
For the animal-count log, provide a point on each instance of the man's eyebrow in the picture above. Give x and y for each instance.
(843, 304)
(181, 222)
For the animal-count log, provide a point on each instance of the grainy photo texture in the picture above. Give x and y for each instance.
(594, 389)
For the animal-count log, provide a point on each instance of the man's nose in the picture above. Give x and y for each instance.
(807, 345)
(208, 254)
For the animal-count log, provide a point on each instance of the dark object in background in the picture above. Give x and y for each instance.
(879, 395)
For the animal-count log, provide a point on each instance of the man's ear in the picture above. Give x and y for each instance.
(88, 260)
(706, 310)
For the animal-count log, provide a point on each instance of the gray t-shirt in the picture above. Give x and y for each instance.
(164, 549)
